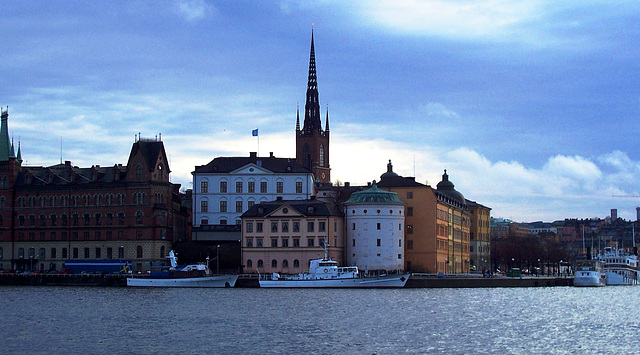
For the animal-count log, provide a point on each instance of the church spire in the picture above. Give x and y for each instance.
(326, 123)
(298, 118)
(312, 105)
(5, 143)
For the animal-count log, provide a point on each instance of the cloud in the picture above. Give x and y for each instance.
(193, 10)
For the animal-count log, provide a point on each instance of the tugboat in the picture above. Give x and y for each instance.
(589, 272)
(325, 273)
(195, 275)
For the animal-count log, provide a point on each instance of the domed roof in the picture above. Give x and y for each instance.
(389, 173)
(374, 195)
(447, 188)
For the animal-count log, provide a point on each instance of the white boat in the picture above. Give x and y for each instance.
(196, 275)
(620, 267)
(325, 273)
(589, 272)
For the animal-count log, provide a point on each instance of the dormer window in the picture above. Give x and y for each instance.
(160, 172)
(138, 172)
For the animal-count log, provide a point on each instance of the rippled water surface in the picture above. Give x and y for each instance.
(79, 320)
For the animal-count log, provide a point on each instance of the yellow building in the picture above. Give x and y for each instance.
(437, 224)
(480, 235)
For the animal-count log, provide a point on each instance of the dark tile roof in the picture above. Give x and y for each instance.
(222, 165)
(319, 208)
(150, 150)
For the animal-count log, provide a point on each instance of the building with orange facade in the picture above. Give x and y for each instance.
(283, 235)
(437, 223)
(480, 236)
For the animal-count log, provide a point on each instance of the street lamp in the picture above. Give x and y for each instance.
(218, 260)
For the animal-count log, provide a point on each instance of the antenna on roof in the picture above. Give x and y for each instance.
(60, 149)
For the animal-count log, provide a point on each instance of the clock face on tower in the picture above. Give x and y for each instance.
(324, 176)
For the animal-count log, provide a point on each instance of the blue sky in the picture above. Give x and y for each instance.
(531, 106)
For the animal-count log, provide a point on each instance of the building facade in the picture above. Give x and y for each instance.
(479, 236)
(375, 230)
(282, 236)
(436, 224)
(228, 186)
(52, 214)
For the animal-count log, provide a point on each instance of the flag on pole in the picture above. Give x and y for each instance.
(254, 132)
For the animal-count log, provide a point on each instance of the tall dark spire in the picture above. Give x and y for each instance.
(6, 148)
(312, 106)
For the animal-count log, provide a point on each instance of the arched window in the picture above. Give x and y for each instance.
(139, 252)
(138, 172)
(296, 263)
(260, 263)
(285, 263)
(321, 154)
(160, 172)
(139, 216)
(249, 264)
(274, 263)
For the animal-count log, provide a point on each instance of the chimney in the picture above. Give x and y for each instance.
(253, 154)
(347, 184)
(270, 154)
(279, 198)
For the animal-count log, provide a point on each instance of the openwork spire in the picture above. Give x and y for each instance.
(312, 105)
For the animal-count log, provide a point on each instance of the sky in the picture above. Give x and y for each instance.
(532, 107)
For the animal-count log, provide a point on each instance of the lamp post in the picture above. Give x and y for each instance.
(218, 260)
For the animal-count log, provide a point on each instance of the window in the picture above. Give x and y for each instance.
(239, 206)
(238, 187)
(43, 220)
(310, 226)
(249, 227)
(53, 253)
(409, 244)
(378, 242)
(64, 253)
(223, 206)
(274, 227)
(279, 187)
(285, 263)
(204, 187)
(259, 243)
(409, 194)
(285, 242)
(251, 186)
(296, 226)
(87, 253)
(98, 253)
(223, 187)
(321, 154)
(97, 217)
(321, 226)
(378, 226)
(41, 253)
(109, 253)
(409, 211)
(296, 263)
(258, 227)
(296, 242)
(251, 203)
(249, 243)
(87, 219)
(298, 187)
(120, 218)
(353, 242)
(75, 253)
(310, 242)
(274, 242)
(263, 187)
(139, 252)
(353, 226)
(285, 227)
(139, 216)
(274, 263)
(260, 263)
(204, 206)
(409, 228)
(249, 263)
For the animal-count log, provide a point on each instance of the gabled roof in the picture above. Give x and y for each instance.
(150, 150)
(225, 165)
(306, 208)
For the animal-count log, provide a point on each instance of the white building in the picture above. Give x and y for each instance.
(374, 220)
(228, 186)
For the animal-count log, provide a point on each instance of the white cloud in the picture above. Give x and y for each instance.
(193, 10)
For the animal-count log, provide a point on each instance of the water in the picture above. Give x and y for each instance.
(554, 320)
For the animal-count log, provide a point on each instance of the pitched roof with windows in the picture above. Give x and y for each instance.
(225, 165)
(307, 208)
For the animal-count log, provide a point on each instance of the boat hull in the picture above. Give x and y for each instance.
(626, 279)
(205, 281)
(395, 281)
(589, 279)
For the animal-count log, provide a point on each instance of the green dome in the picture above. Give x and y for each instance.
(374, 195)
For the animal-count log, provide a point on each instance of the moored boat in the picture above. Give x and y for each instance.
(589, 272)
(196, 275)
(620, 267)
(325, 273)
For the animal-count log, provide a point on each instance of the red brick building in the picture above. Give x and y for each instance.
(52, 214)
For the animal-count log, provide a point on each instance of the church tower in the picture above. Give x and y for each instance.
(312, 142)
